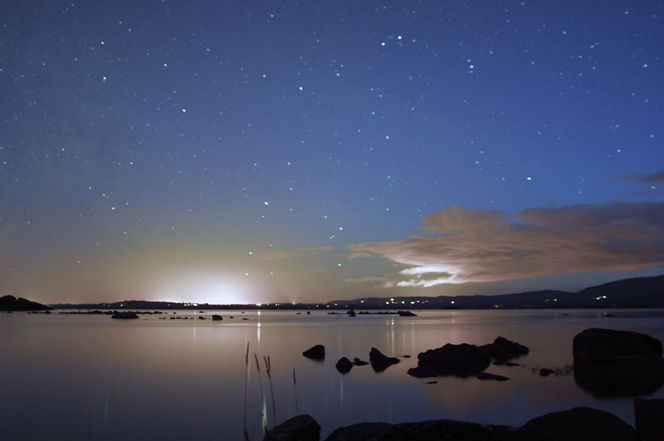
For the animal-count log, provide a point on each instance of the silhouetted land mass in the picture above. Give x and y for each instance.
(641, 292)
(11, 303)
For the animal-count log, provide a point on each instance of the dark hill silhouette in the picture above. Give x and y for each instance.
(11, 303)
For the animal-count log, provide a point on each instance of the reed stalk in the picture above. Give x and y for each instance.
(246, 383)
(260, 381)
(297, 410)
(268, 369)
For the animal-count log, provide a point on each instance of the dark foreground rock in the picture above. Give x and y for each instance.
(611, 363)
(125, 315)
(299, 428)
(216, 317)
(316, 352)
(488, 376)
(436, 430)
(380, 362)
(580, 424)
(649, 418)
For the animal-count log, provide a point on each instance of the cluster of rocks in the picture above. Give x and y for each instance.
(465, 360)
(607, 363)
(577, 424)
(378, 360)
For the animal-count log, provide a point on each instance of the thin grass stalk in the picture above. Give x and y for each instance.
(268, 368)
(246, 383)
(260, 381)
(297, 410)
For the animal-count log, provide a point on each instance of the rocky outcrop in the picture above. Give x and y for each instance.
(580, 424)
(125, 315)
(435, 430)
(611, 363)
(299, 428)
(503, 349)
(316, 352)
(380, 362)
(216, 317)
(462, 360)
(649, 418)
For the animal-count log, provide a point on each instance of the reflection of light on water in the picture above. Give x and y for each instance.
(258, 333)
(194, 331)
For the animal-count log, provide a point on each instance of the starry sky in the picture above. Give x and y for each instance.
(254, 151)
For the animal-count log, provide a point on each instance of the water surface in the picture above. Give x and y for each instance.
(88, 377)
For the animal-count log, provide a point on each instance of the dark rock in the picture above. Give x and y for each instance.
(600, 345)
(380, 362)
(509, 364)
(461, 360)
(200, 317)
(406, 314)
(124, 315)
(436, 430)
(422, 372)
(544, 372)
(503, 349)
(358, 362)
(299, 428)
(610, 363)
(344, 365)
(216, 317)
(649, 418)
(431, 382)
(316, 352)
(580, 424)
(488, 376)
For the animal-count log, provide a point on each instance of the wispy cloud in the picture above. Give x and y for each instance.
(317, 249)
(464, 245)
(266, 256)
(652, 178)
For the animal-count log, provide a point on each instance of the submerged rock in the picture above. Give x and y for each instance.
(488, 376)
(316, 352)
(299, 428)
(380, 362)
(125, 315)
(217, 317)
(580, 424)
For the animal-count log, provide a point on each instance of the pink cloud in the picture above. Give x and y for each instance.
(464, 245)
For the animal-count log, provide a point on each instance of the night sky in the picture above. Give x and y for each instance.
(261, 151)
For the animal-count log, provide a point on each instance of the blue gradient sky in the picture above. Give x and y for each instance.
(256, 151)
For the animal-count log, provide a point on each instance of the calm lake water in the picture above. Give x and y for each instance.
(88, 377)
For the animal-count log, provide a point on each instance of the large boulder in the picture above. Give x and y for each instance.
(435, 430)
(380, 362)
(299, 428)
(649, 418)
(461, 360)
(580, 424)
(605, 345)
(316, 352)
(611, 363)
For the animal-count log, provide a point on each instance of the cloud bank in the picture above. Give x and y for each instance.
(461, 245)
